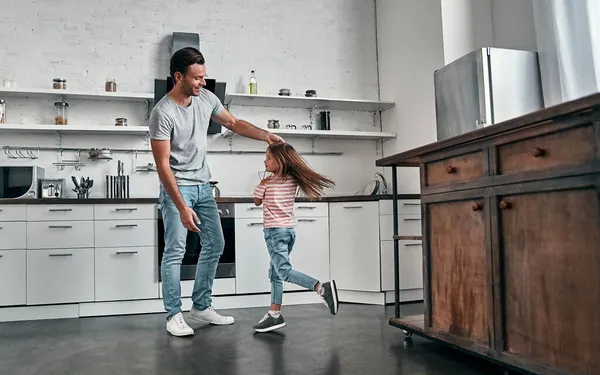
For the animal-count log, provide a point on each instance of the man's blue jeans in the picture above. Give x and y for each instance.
(201, 200)
(280, 242)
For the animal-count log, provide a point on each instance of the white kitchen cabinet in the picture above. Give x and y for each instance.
(251, 257)
(13, 270)
(310, 254)
(60, 234)
(126, 273)
(354, 245)
(60, 276)
(53, 212)
(13, 212)
(13, 235)
(125, 211)
(119, 233)
(410, 265)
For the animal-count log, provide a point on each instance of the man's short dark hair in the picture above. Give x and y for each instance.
(183, 58)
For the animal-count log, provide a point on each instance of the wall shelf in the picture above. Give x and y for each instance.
(73, 94)
(307, 103)
(330, 134)
(75, 129)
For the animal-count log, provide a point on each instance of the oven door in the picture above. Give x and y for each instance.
(19, 181)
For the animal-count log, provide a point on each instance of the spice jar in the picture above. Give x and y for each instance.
(121, 121)
(61, 113)
(59, 83)
(110, 85)
(2, 111)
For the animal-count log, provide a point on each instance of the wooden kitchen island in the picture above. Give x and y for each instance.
(511, 240)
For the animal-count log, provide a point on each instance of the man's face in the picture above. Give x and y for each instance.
(193, 80)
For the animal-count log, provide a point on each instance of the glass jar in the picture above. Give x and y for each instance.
(110, 85)
(2, 111)
(59, 83)
(121, 121)
(61, 114)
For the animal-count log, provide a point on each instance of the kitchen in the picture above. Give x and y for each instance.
(346, 110)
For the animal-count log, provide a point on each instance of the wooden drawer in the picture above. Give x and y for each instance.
(565, 148)
(60, 234)
(405, 206)
(51, 212)
(13, 212)
(408, 225)
(125, 211)
(248, 211)
(13, 235)
(124, 274)
(311, 210)
(60, 276)
(13, 270)
(124, 233)
(457, 169)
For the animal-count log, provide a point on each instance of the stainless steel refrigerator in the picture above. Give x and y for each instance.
(486, 87)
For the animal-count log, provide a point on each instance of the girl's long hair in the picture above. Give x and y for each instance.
(293, 165)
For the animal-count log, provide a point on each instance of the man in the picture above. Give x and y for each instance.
(178, 127)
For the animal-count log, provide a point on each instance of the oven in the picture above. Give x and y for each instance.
(193, 247)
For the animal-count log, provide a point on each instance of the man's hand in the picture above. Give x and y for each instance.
(274, 138)
(245, 128)
(189, 219)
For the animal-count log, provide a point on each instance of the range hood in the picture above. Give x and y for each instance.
(182, 40)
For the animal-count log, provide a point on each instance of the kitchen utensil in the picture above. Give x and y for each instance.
(310, 93)
(285, 92)
(325, 120)
(74, 179)
(215, 190)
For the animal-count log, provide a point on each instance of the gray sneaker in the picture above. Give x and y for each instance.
(330, 296)
(268, 323)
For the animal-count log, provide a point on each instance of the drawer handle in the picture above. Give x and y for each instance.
(60, 226)
(412, 204)
(125, 209)
(306, 220)
(450, 169)
(126, 252)
(504, 205)
(60, 209)
(126, 225)
(412, 219)
(306, 207)
(412, 244)
(60, 255)
(538, 152)
(350, 207)
(1, 227)
(255, 224)
(476, 206)
(1, 256)
(254, 208)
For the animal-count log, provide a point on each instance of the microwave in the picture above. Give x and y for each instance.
(19, 182)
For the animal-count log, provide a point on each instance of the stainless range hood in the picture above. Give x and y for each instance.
(182, 40)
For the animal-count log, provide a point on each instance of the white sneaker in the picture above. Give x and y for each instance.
(210, 316)
(178, 327)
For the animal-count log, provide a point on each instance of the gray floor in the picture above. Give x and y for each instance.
(356, 341)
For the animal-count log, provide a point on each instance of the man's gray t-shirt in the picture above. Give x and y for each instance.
(186, 128)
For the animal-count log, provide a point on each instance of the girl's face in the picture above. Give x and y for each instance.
(271, 164)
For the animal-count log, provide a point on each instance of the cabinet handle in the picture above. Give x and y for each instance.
(307, 220)
(125, 209)
(126, 252)
(306, 207)
(450, 169)
(1, 256)
(412, 244)
(412, 204)
(1, 227)
(1, 210)
(349, 207)
(412, 219)
(60, 209)
(254, 208)
(60, 255)
(60, 226)
(255, 224)
(504, 205)
(476, 206)
(538, 152)
(126, 225)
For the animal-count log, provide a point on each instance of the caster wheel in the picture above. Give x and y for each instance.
(408, 343)
(407, 334)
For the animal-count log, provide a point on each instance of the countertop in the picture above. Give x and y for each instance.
(343, 198)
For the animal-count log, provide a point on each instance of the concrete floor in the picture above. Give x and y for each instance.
(356, 341)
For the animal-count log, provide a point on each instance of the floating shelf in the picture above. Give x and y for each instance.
(307, 103)
(71, 94)
(331, 134)
(75, 129)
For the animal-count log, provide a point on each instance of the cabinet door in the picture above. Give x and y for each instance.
(311, 251)
(60, 276)
(251, 257)
(458, 269)
(354, 245)
(126, 273)
(551, 272)
(410, 265)
(12, 277)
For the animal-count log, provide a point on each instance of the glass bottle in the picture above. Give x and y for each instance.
(253, 84)
(2, 111)
(61, 113)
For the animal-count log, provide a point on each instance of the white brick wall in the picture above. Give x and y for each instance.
(327, 45)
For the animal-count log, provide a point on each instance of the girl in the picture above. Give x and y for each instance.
(277, 194)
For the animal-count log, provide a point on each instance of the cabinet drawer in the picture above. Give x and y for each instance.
(13, 212)
(123, 233)
(13, 270)
(60, 234)
(310, 209)
(123, 274)
(405, 206)
(125, 211)
(569, 147)
(51, 212)
(13, 235)
(410, 264)
(248, 211)
(457, 169)
(60, 276)
(408, 225)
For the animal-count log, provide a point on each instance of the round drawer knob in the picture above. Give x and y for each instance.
(504, 205)
(450, 169)
(538, 152)
(476, 206)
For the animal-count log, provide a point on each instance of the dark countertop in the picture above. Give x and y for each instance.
(345, 198)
